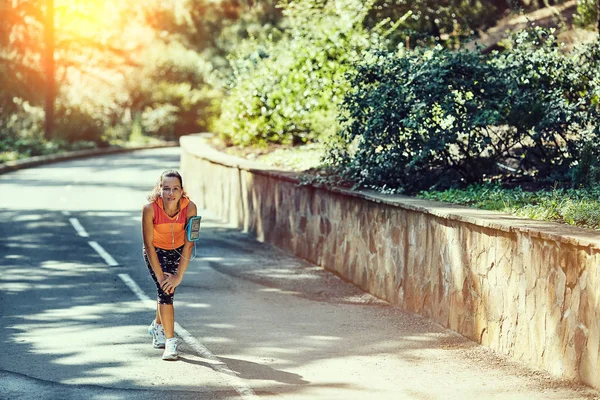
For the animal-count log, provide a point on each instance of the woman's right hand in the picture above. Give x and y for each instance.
(161, 281)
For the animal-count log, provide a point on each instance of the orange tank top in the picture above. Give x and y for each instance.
(169, 232)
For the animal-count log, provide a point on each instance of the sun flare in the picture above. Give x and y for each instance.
(96, 40)
(84, 19)
(97, 21)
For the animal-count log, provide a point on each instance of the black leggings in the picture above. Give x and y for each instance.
(169, 262)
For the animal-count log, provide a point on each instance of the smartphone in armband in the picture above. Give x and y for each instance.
(193, 228)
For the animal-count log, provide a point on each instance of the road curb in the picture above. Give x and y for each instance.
(73, 155)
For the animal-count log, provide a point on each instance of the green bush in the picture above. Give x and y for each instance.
(549, 103)
(287, 90)
(418, 116)
(586, 172)
(173, 93)
(424, 118)
(587, 13)
(21, 132)
(75, 124)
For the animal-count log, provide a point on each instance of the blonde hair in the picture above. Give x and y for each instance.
(170, 173)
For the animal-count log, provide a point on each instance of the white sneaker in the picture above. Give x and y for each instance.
(158, 336)
(170, 352)
(151, 328)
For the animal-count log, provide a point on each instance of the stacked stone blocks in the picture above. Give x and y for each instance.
(526, 289)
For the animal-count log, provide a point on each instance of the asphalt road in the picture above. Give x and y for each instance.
(254, 322)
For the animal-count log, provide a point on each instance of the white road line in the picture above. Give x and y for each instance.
(138, 291)
(67, 213)
(107, 257)
(78, 227)
(237, 383)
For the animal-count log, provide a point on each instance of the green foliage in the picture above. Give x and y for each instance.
(449, 22)
(569, 206)
(420, 114)
(159, 70)
(587, 13)
(21, 42)
(550, 101)
(446, 22)
(174, 92)
(75, 124)
(121, 67)
(89, 60)
(435, 117)
(213, 26)
(586, 172)
(21, 133)
(286, 90)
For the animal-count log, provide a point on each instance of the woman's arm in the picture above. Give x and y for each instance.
(148, 235)
(172, 281)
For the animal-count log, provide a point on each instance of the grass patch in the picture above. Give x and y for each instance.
(578, 207)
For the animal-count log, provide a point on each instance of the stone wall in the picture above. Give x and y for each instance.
(525, 288)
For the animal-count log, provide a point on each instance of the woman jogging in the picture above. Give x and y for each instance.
(166, 252)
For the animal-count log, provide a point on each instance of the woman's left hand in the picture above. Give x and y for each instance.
(170, 283)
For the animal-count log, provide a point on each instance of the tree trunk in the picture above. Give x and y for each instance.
(49, 69)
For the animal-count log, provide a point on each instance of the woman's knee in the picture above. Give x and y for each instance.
(164, 298)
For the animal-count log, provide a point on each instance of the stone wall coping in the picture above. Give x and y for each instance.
(72, 155)
(199, 146)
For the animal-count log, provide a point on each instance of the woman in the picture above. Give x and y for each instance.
(167, 252)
